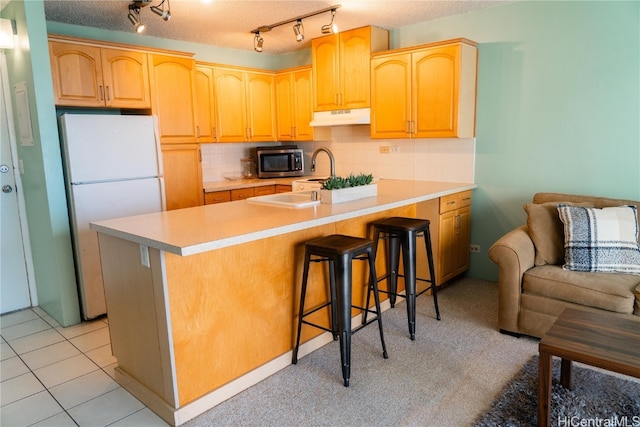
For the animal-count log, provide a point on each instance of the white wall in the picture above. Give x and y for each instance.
(451, 160)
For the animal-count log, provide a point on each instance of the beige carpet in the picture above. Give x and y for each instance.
(446, 377)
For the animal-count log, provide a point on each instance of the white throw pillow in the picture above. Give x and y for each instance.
(604, 240)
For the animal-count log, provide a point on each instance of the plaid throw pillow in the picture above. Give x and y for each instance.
(603, 240)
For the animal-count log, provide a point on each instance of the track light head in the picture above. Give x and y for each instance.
(164, 14)
(298, 30)
(330, 28)
(134, 18)
(257, 43)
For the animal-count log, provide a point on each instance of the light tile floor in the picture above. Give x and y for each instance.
(53, 376)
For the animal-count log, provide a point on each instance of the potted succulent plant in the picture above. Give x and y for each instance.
(337, 189)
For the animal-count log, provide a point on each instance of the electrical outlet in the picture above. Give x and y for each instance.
(384, 149)
(144, 256)
(474, 249)
(394, 149)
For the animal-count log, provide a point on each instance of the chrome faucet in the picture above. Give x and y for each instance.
(331, 159)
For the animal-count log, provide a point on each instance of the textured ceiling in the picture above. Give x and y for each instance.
(228, 23)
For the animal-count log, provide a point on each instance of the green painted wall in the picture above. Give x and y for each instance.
(558, 106)
(43, 181)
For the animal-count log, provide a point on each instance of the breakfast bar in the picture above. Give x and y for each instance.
(202, 302)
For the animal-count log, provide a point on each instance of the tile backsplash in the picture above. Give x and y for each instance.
(446, 159)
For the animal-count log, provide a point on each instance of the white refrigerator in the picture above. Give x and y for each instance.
(113, 168)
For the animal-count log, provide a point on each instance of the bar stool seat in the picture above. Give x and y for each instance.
(339, 251)
(401, 233)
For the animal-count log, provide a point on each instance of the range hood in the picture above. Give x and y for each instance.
(356, 116)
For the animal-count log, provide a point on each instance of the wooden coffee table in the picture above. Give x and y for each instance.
(597, 339)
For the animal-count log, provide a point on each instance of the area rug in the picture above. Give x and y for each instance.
(597, 399)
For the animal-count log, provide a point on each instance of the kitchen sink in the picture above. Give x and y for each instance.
(299, 199)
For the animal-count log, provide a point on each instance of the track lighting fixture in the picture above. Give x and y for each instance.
(330, 28)
(134, 17)
(257, 42)
(298, 30)
(134, 12)
(164, 14)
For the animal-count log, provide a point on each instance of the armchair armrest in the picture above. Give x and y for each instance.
(514, 254)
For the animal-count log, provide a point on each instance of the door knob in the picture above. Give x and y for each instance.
(7, 189)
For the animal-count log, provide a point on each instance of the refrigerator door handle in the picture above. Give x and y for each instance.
(156, 136)
(163, 200)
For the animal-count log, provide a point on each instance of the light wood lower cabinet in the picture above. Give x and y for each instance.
(454, 233)
(182, 175)
(243, 193)
(214, 197)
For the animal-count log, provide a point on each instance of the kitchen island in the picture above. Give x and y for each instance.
(202, 302)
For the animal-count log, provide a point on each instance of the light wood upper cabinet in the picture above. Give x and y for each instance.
(182, 175)
(294, 105)
(92, 76)
(205, 105)
(429, 92)
(391, 96)
(341, 67)
(261, 107)
(173, 80)
(245, 105)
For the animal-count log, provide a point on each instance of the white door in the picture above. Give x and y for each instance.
(14, 285)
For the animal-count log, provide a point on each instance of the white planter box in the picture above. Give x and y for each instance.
(348, 194)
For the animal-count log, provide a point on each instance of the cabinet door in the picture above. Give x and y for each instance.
(230, 104)
(261, 109)
(435, 91)
(355, 68)
(446, 246)
(303, 105)
(173, 89)
(391, 96)
(325, 54)
(285, 107)
(463, 240)
(76, 71)
(126, 79)
(182, 175)
(205, 124)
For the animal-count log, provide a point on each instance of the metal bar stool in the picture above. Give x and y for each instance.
(402, 232)
(339, 251)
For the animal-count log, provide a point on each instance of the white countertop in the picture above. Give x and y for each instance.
(204, 228)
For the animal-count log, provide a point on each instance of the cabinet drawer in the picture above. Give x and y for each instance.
(448, 203)
(242, 193)
(264, 190)
(464, 199)
(455, 201)
(282, 188)
(217, 197)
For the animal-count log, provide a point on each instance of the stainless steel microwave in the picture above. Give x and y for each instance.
(279, 161)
